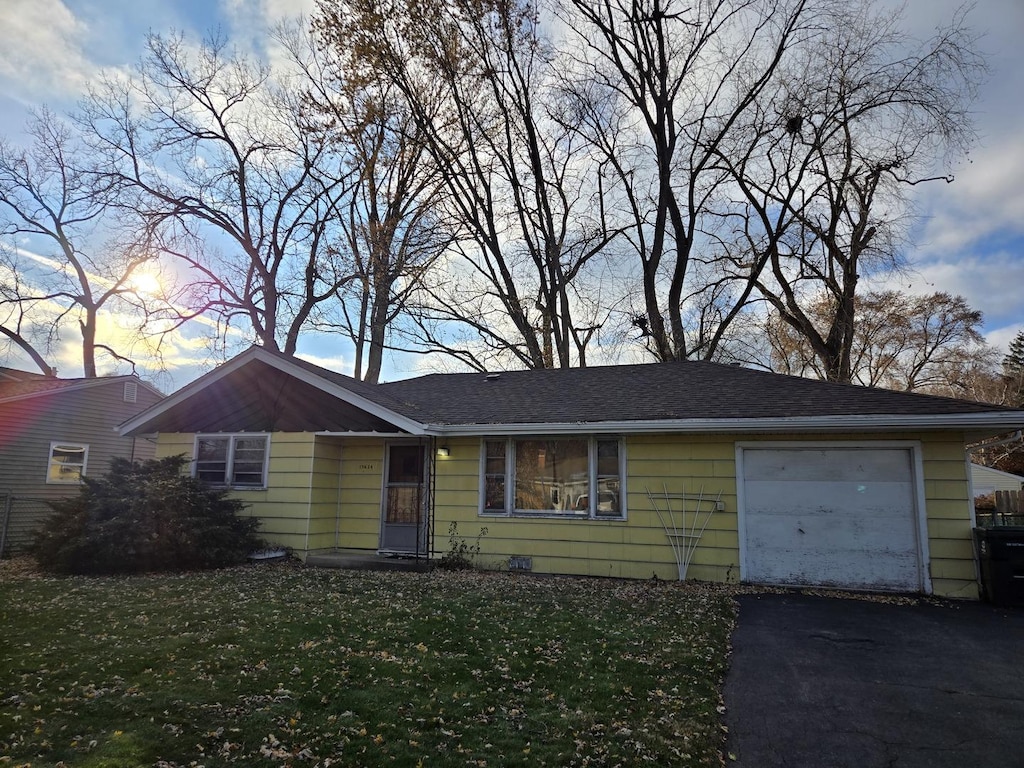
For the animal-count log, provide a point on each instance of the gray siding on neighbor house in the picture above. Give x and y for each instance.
(87, 415)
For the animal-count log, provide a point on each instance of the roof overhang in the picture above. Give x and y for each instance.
(992, 423)
(140, 424)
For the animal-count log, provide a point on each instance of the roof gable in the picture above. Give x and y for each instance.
(261, 398)
(262, 391)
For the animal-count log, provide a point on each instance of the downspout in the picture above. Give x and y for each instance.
(337, 498)
(1015, 437)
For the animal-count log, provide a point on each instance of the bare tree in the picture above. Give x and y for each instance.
(931, 343)
(854, 121)
(213, 152)
(659, 88)
(52, 200)
(387, 225)
(477, 80)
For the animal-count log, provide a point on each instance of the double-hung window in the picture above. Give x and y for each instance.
(67, 462)
(238, 461)
(563, 476)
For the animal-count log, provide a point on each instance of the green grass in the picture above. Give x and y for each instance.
(283, 665)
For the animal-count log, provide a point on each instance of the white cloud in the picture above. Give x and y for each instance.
(41, 55)
(990, 283)
(986, 198)
(330, 362)
(971, 238)
(252, 20)
(1001, 337)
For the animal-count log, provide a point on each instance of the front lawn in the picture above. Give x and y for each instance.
(285, 665)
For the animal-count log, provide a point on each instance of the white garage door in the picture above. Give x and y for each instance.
(841, 517)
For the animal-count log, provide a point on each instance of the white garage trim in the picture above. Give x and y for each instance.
(919, 507)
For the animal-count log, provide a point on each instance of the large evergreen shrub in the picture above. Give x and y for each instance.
(143, 517)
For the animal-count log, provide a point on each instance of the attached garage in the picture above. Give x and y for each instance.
(828, 515)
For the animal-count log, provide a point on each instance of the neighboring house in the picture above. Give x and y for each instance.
(53, 431)
(572, 471)
(986, 481)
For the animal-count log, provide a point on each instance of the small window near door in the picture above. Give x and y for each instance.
(67, 463)
(238, 461)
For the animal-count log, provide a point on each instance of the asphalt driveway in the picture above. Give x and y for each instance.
(827, 682)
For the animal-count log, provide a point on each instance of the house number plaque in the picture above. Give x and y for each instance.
(368, 467)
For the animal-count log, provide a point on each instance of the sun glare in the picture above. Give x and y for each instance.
(145, 284)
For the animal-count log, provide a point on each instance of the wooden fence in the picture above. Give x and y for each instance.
(1009, 510)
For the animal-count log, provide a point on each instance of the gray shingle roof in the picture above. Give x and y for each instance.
(15, 383)
(654, 391)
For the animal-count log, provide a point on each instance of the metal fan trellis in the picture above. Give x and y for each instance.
(684, 528)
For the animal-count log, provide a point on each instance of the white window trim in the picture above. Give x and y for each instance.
(510, 479)
(68, 444)
(231, 437)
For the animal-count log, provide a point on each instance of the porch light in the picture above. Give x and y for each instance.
(443, 451)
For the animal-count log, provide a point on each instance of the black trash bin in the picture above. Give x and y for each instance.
(1001, 560)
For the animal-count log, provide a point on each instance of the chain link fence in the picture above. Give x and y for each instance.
(1000, 508)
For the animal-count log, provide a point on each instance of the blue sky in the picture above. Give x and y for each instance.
(970, 240)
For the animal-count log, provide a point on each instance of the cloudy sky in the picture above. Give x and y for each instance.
(970, 240)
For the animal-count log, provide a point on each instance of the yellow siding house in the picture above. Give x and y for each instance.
(668, 470)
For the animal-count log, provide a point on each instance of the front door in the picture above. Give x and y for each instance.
(404, 513)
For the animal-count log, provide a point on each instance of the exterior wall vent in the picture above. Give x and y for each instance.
(131, 391)
(520, 563)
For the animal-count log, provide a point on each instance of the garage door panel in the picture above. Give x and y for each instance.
(868, 569)
(834, 532)
(831, 517)
(868, 498)
(828, 465)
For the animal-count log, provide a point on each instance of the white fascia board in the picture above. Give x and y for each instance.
(258, 353)
(388, 435)
(866, 423)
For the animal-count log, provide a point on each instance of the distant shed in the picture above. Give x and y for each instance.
(985, 480)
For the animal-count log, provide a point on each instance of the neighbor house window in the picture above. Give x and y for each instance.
(233, 460)
(67, 462)
(573, 477)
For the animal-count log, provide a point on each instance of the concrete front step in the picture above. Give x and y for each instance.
(367, 561)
